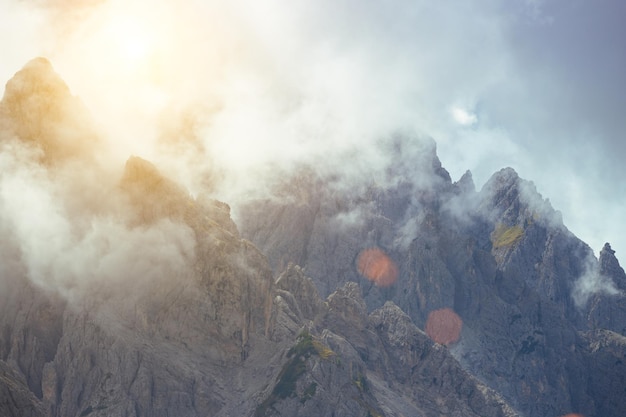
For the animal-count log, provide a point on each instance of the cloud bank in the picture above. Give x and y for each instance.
(66, 222)
(72, 250)
(246, 89)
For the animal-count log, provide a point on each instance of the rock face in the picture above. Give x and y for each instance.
(346, 362)
(17, 399)
(38, 108)
(144, 342)
(161, 349)
(179, 314)
(500, 258)
(606, 309)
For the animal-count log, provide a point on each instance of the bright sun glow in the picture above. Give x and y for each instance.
(132, 42)
(117, 57)
(136, 65)
(129, 42)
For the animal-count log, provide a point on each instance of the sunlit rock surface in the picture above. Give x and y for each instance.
(296, 321)
(39, 108)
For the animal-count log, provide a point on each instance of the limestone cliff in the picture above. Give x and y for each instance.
(501, 258)
(327, 309)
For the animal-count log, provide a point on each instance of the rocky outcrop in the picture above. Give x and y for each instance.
(293, 283)
(126, 343)
(346, 362)
(32, 326)
(605, 361)
(38, 107)
(16, 398)
(428, 372)
(606, 305)
(610, 267)
(320, 376)
(501, 258)
(163, 349)
(361, 269)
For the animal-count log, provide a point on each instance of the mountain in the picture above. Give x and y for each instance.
(406, 294)
(529, 293)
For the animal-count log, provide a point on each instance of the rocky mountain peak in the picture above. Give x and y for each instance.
(607, 249)
(609, 266)
(144, 175)
(37, 77)
(501, 194)
(465, 184)
(153, 195)
(217, 335)
(38, 108)
(303, 289)
(606, 309)
(515, 201)
(505, 178)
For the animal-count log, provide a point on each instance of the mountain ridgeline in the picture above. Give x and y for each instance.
(122, 295)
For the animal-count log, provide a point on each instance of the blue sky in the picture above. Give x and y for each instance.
(538, 85)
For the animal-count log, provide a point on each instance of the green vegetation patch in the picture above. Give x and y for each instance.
(309, 392)
(294, 369)
(361, 383)
(290, 373)
(322, 350)
(504, 236)
(304, 347)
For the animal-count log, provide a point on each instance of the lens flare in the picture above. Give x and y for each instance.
(444, 326)
(376, 266)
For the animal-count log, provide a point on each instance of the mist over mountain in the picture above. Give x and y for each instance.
(376, 287)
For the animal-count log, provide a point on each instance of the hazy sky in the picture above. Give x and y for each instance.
(538, 85)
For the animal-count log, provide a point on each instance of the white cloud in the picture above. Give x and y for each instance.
(590, 283)
(67, 246)
(463, 117)
(272, 84)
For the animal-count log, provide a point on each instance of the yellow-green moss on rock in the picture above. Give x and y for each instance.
(504, 236)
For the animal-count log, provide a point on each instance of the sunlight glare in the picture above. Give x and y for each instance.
(135, 64)
(129, 43)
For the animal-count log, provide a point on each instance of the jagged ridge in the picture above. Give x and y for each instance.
(220, 337)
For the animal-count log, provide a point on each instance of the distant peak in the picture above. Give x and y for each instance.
(39, 109)
(506, 176)
(143, 176)
(138, 169)
(607, 249)
(36, 77)
(154, 195)
(609, 266)
(517, 201)
(502, 187)
(39, 62)
(466, 182)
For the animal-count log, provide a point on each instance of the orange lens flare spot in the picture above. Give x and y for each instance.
(573, 415)
(376, 266)
(444, 326)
